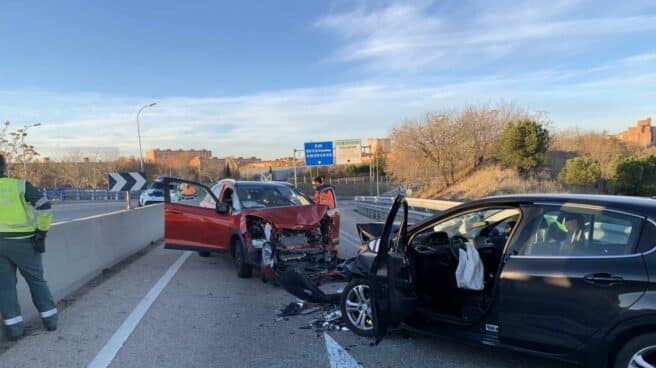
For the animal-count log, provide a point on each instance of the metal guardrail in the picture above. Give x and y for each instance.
(74, 194)
(419, 209)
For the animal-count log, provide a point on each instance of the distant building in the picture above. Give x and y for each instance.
(168, 155)
(205, 162)
(643, 134)
(276, 163)
(380, 145)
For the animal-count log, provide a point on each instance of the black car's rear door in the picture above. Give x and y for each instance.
(393, 293)
(569, 274)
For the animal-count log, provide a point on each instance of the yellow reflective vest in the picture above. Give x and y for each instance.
(16, 216)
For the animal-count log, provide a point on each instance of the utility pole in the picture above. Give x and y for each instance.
(294, 160)
(200, 162)
(367, 151)
(377, 177)
(141, 160)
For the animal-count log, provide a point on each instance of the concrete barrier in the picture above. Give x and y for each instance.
(79, 250)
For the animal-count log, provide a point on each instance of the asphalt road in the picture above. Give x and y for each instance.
(207, 317)
(72, 210)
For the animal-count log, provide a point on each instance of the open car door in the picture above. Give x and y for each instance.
(393, 298)
(193, 218)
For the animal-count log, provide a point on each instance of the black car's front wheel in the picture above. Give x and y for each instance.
(356, 308)
(638, 352)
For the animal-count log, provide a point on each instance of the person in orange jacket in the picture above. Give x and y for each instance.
(323, 193)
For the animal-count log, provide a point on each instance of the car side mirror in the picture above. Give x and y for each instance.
(223, 208)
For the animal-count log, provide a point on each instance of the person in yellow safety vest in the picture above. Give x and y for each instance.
(321, 195)
(22, 241)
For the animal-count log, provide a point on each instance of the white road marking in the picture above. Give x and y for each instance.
(337, 356)
(115, 343)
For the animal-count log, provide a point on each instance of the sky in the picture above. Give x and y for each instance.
(262, 77)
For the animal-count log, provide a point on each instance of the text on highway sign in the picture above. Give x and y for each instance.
(319, 154)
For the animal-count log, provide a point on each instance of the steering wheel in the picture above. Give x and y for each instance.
(455, 243)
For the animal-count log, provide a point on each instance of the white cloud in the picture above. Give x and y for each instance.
(606, 96)
(411, 37)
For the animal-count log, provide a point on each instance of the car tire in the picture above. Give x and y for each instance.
(355, 303)
(641, 347)
(204, 253)
(244, 269)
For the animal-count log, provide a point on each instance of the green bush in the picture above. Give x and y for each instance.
(635, 175)
(582, 171)
(522, 145)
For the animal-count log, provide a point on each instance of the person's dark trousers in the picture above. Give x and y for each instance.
(20, 255)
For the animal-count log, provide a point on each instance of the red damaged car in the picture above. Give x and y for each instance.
(268, 225)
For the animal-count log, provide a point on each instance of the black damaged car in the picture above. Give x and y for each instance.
(561, 276)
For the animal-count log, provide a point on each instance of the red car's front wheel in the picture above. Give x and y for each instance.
(244, 269)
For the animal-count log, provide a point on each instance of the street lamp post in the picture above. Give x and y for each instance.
(141, 161)
(23, 134)
(294, 160)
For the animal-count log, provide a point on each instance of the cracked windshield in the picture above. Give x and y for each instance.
(337, 183)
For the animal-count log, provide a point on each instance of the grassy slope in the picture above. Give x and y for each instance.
(493, 180)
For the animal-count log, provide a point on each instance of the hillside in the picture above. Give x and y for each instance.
(493, 180)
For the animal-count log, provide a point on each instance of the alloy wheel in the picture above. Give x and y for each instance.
(358, 307)
(644, 358)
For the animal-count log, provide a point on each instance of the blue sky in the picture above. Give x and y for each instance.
(258, 77)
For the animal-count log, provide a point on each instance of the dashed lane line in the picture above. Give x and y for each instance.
(115, 343)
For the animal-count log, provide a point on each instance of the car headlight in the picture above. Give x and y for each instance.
(267, 255)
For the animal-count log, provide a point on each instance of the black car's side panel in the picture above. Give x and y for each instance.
(547, 304)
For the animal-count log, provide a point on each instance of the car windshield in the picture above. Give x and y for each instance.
(265, 195)
(470, 224)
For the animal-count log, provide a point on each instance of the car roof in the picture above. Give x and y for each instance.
(642, 205)
(253, 182)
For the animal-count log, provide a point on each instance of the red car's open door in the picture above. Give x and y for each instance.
(193, 218)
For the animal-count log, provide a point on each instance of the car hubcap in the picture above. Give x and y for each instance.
(358, 307)
(645, 358)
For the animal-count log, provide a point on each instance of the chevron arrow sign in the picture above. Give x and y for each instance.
(126, 182)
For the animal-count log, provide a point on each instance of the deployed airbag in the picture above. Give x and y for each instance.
(470, 272)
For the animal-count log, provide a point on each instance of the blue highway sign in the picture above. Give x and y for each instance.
(319, 154)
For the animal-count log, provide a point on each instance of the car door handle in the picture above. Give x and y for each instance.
(605, 279)
(174, 212)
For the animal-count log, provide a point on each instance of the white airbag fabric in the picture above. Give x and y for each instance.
(469, 273)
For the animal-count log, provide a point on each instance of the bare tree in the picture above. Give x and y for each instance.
(15, 150)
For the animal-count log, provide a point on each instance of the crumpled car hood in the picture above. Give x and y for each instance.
(292, 218)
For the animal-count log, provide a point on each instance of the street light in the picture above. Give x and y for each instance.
(23, 134)
(139, 133)
(294, 160)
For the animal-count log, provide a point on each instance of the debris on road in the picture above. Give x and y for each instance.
(331, 318)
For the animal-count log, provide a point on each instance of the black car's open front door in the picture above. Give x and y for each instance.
(393, 297)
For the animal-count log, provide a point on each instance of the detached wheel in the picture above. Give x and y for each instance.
(244, 269)
(204, 254)
(639, 352)
(356, 308)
